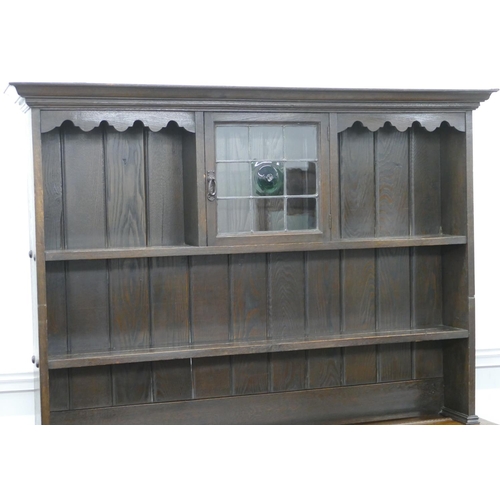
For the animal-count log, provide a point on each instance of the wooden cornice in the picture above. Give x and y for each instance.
(60, 96)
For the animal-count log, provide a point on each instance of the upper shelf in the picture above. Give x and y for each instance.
(98, 96)
(339, 244)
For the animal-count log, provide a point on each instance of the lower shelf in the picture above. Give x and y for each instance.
(254, 347)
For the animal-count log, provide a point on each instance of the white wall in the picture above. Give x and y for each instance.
(392, 44)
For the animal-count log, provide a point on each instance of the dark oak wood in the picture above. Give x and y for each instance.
(338, 405)
(188, 250)
(144, 315)
(362, 338)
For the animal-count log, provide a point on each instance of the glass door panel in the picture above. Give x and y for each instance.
(268, 177)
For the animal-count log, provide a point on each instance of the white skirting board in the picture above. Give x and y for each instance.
(17, 398)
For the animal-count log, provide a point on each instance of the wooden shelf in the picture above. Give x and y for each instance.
(113, 357)
(167, 251)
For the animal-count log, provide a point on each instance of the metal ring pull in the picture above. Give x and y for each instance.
(211, 186)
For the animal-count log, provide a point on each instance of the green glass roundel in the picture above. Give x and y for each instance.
(268, 178)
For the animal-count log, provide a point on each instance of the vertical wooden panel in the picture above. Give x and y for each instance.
(56, 308)
(324, 368)
(211, 377)
(129, 303)
(193, 159)
(393, 311)
(288, 371)
(286, 295)
(209, 298)
(391, 162)
(357, 183)
(59, 390)
(248, 296)
(360, 365)
(427, 309)
(87, 304)
(52, 190)
(358, 290)
(428, 360)
(132, 384)
(455, 286)
(250, 374)
(394, 362)
(248, 274)
(322, 293)
(358, 313)
(90, 387)
(165, 187)
(453, 181)
(393, 265)
(125, 193)
(169, 301)
(393, 289)
(84, 208)
(172, 380)
(427, 287)
(426, 181)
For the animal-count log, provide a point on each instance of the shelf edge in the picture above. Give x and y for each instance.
(235, 348)
(341, 244)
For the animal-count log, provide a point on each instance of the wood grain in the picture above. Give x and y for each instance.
(288, 371)
(357, 183)
(53, 190)
(250, 374)
(57, 329)
(393, 312)
(209, 280)
(212, 377)
(172, 380)
(87, 306)
(336, 405)
(90, 387)
(84, 189)
(425, 170)
(125, 187)
(453, 181)
(129, 304)
(391, 163)
(428, 360)
(248, 274)
(358, 313)
(325, 368)
(132, 384)
(286, 295)
(169, 296)
(59, 390)
(322, 293)
(165, 187)
(427, 287)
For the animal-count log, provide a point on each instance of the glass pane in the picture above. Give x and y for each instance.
(300, 178)
(231, 143)
(300, 142)
(233, 216)
(266, 143)
(301, 214)
(233, 179)
(267, 178)
(269, 215)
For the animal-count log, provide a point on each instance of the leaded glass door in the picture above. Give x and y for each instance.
(266, 177)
